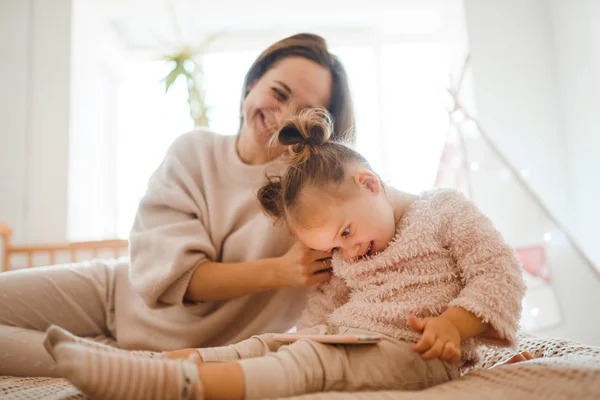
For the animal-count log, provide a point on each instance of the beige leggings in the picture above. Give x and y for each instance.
(272, 369)
(78, 297)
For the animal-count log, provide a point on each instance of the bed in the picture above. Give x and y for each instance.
(564, 370)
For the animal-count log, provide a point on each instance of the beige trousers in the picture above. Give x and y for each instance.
(93, 300)
(78, 297)
(96, 300)
(90, 299)
(273, 369)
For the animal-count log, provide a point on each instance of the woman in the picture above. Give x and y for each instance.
(207, 267)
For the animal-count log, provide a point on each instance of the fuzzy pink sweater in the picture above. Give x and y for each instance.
(445, 254)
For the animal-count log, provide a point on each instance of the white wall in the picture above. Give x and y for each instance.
(94, 84)
(576, 34)
(14, 37)
(35, 42)
(527, 93)
(516, 92)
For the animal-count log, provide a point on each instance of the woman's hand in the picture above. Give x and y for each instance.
(302, 266)
(440, 339)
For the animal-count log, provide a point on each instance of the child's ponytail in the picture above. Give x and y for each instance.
(305, 133)
(314, 160)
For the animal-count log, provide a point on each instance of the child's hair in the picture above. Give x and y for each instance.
(313, 160)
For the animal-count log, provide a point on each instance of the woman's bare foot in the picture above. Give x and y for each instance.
(192, 355)
(517, 358)
(188, 354)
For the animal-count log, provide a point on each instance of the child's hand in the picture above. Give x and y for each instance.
(441, 339)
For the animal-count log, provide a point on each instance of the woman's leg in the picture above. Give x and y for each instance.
(56, 334)
(103, 372)
(119, 376)
(77, 297)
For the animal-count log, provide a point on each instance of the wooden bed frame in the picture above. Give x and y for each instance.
(73, 249)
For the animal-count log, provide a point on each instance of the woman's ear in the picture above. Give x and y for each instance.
(368, 180)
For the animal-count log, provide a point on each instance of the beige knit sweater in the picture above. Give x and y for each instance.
(200, 206)
(445, 254)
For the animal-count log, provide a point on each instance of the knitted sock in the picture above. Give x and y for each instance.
(55, 335)
(117, 376)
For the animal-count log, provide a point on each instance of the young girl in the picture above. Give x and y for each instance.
(429, 273)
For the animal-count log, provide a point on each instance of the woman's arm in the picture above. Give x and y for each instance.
(173, 257)
(222, 281)
(300, 266)
(169, 236)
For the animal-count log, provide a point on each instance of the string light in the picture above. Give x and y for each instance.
(470, 129)
(547, 237)
(474, 166)
(458, 116)
(535, 312)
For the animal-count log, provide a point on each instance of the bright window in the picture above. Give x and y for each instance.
(400, 119)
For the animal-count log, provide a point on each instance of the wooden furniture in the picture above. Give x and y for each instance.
(72, 251)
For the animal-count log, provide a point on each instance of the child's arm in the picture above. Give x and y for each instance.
(442, 335)
(322, 301)
(493, 286)
(467, 323)
(489, 305)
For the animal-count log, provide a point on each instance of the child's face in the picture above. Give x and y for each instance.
(358, 221)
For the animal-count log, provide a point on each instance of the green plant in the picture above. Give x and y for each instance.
(187, 63)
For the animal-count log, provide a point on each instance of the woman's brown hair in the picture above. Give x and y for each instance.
(314, 159)
(314, 48)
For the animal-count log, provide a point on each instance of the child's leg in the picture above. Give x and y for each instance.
(256, 346)
(308, 367)
(221, 381)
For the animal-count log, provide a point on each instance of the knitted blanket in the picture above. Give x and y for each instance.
(564, 370)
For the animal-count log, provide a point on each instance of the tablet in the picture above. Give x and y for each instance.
(330, 339)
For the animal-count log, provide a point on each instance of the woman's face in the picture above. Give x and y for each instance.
(290, 85)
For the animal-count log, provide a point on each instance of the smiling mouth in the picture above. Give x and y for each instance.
(370, 250)
(267, 128)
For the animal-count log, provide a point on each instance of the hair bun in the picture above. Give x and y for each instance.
(305, 132)
(270, 197)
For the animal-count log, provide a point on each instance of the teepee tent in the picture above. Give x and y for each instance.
(563, 284)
